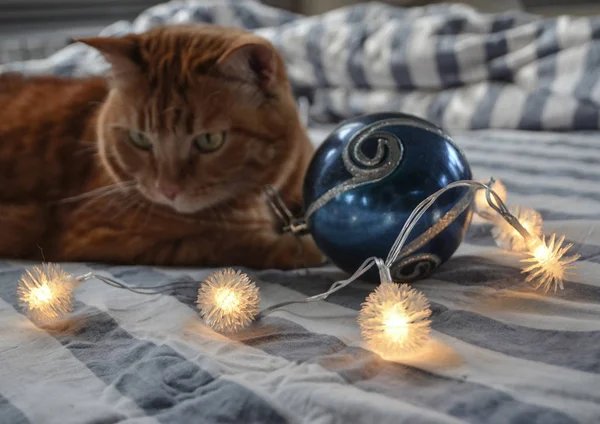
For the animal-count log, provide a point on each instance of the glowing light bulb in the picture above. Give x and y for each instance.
(548, 265)
(45, 293)
(510, 239)
(228, 300)
(541, 252)
(481, 203)
(394, 319)
(395, 324)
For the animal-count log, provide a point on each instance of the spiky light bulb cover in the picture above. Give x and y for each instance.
(228, 300)
(509, 238)
(548, 265)
(395, 319)
(46, 292)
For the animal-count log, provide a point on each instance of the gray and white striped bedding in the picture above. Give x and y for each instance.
(448, 63)
(499, 352)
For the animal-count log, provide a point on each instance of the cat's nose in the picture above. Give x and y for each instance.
(169, 190)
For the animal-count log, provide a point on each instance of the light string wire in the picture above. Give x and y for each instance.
(492, 198)
(148, 290)
(296, 226)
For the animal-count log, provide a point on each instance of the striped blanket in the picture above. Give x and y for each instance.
(499, 352)
(448, 63)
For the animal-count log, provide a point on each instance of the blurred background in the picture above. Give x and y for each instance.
(31, 29)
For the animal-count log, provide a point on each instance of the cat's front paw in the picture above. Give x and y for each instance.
(292, 252)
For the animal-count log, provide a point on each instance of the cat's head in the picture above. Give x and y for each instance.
(196, 115)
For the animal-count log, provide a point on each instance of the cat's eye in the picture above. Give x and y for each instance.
(210, 142)
(139, 140)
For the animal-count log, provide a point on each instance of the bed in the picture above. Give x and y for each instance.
(499, 352)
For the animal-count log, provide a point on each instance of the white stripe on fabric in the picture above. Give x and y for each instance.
(546, 185)
(521, 57)
(462, 106)
(516, 306)
(582, 231)
(335, 54)
(471, 55)
(533, 149)
(509, 107)
(552, 168)
(421, 55)
(299, 66)
(378, 56)
(224, 15)
(574, 38)
(417, 103)
(582, 207)
(43, 379)
(534, 382)
(558, 112)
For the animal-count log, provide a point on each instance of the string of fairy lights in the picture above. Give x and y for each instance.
(394, 318)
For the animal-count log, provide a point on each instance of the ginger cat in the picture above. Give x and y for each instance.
(164, 164)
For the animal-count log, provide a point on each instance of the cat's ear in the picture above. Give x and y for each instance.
(253, 60)
(121, 52)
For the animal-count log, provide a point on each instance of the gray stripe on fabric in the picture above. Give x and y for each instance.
(437, 109)
(547, 45)
(356, 14)
(399, 67)
(544, 346)
(355, 46)
(550, 172)
(10, 414)
(551, 346)
(322, 109)
(503, 22)
(521, 138)
(369, 372)
(496, 48)
(476, 271)
(539, 157)
(587, 114)
(481, 236)
(460, 270)
(364, 369)
(452, 26)
(549, 215)
(546, 48)
(523, 189)
(445, 55)
(202, 14)
(484, 111)
(157, 378)
(244, 15)
(533, 108)
(314, 52)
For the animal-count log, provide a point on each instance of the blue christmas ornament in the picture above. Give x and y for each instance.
(367, 178)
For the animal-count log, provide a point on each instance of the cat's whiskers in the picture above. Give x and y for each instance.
(125, 207)
(85, 150)
(110, 199)
(138, 209)
(89, 142)
(122, 187)
(148, 215)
